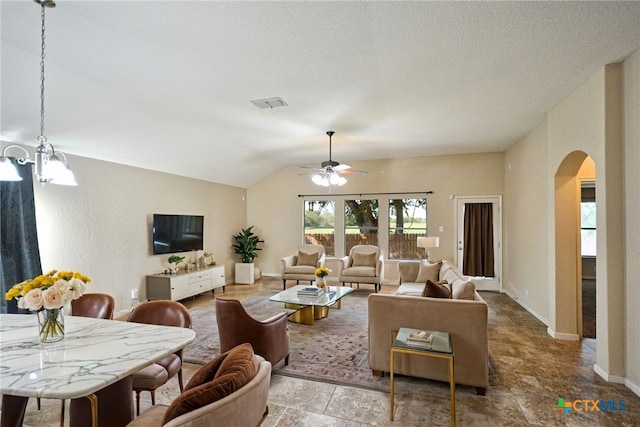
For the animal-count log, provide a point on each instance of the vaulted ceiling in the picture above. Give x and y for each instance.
(167, 85)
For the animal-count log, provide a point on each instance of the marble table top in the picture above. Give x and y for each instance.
(94, 354)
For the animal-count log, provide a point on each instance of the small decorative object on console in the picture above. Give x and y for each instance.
(47, 294)
(175, 259)
(422, 337)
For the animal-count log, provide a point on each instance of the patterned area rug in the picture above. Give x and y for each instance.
(333, 350)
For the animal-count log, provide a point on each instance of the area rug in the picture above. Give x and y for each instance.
(333, 350)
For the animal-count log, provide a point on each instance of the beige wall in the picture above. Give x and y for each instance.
(588, 122)
(277, 211)
(631, 98)
(102, 227)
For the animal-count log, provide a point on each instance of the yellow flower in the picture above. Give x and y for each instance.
(322, 272)
(45, 281)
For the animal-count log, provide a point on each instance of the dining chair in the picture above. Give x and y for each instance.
(98, 306)
(167, 313)
(269, 338)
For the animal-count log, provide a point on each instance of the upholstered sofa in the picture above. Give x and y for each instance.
(465, 319)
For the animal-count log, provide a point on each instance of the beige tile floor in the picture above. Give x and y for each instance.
(530, 371)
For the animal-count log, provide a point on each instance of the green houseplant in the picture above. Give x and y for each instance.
(246, 245)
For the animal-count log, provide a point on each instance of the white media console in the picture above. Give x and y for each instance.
(185, 284)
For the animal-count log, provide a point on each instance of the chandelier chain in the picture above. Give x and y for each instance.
(42, 138)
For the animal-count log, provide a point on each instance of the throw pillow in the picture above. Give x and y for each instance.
(436, 290)
(217, 379)
(463, 289)
(428, 271)
(307, 259)
(363, 259)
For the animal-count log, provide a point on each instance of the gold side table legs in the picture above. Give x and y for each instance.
(452, 383)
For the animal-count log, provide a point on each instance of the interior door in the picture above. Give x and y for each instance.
(483, 283)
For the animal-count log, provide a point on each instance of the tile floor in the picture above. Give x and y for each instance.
(530, 371)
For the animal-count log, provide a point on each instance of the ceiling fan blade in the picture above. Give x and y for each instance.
(351, 172)
(341, 167)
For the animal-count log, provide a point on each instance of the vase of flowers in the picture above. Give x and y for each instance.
(321, 276)
(46, 295)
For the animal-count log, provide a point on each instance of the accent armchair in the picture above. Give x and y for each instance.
(364, 264)
(167, 313)
(269, 338)
(302, 265)
(231, 390)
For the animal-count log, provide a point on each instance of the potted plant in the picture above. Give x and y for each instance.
(246, 245)
(175, 259)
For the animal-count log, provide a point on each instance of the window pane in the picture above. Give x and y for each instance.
(361, 223)
(587, 215)
(320, 224)
(588, 242)
(407, 222)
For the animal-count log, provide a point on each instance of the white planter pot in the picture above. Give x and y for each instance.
(245, 273)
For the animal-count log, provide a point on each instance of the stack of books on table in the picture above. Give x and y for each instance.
(420, 338)
(310, 291)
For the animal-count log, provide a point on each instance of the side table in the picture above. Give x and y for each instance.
(440, 347)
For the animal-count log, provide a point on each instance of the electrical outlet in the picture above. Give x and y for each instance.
(134, 294)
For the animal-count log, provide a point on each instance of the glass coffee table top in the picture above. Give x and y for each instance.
(307, 308)
(290, 296)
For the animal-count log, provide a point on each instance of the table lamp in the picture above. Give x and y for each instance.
(428, 242)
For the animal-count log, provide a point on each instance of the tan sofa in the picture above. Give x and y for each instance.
(465, 319)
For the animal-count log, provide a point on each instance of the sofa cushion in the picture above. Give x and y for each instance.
(463, 289)
(217, 379)
(410, 289)
(429, 271)
(307, 259)
(360, 259)
(436, 290)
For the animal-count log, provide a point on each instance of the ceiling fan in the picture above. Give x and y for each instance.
(332, 172)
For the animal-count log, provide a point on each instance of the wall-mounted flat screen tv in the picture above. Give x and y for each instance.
(177, 233)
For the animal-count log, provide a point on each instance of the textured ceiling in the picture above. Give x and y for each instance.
(167, 85)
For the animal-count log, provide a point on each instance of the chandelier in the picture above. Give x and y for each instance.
(49, 167)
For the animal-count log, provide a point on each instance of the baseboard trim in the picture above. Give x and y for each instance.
(563, 336)
(632, 386)
(610, 378)
(531, 311)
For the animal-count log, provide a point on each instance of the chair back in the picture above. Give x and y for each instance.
(98, 306)
(365, 249)
(269, 337)
(161, 312)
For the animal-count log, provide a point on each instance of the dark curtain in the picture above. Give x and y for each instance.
(20, 255)
(478, 240)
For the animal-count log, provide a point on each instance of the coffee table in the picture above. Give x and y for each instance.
(309, 308)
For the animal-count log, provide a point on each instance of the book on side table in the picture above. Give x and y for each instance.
(421, 337)
(311, 291)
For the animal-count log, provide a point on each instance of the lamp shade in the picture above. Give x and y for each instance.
(428, 242)
(8, 171)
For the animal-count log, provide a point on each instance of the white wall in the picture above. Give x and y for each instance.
(277, 212)
(102, 227)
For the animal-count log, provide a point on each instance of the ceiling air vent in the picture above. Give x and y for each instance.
(269, 103)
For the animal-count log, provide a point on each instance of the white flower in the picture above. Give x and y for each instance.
(65, 290)
(78, 287)
(33, 300)
(52, 298)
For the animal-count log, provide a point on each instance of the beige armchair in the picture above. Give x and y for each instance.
(302, 265)
(231, 390)
(364, 264)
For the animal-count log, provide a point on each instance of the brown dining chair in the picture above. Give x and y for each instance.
(167, 313)
(98, 306)
(269, 338)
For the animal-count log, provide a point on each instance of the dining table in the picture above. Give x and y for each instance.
(92, 366)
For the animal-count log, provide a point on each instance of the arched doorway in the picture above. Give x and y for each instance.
(576, 168)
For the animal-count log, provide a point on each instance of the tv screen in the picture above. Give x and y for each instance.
(177, 233)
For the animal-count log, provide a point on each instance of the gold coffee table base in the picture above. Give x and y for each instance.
(308, 314)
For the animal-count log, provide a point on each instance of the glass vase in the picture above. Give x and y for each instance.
(321, 282)
(50, 324)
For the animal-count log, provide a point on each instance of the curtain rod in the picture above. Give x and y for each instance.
(365, 194)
